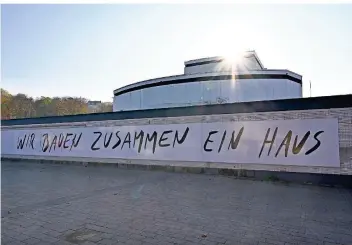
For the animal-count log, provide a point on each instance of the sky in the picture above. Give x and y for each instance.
(90, 50)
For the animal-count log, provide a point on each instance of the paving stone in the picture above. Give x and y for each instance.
(115, 206)
(32, 240)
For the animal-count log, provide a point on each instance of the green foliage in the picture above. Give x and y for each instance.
(272, 178)
(22, 106)
(5, 104)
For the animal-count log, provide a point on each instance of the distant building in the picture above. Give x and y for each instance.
(93, 105)
(213, 80)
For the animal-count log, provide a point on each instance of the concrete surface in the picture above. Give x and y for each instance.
(66, 204)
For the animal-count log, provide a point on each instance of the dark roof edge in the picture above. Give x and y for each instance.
(207, 74)
(209, 78)
(313, 103)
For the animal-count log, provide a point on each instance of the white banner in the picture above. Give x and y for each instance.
(310, 142)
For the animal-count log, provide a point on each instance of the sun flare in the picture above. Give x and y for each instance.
(234, 58)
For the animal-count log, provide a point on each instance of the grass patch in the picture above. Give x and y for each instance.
(272, 178)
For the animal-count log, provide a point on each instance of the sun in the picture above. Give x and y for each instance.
(234, 58)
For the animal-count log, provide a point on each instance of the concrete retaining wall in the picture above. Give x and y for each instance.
(245, 112)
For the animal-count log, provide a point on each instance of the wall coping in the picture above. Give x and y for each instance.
(312, 103)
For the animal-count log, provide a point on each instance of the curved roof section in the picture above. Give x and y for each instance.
(186, 78)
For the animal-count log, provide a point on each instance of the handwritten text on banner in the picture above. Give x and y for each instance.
(310, 142)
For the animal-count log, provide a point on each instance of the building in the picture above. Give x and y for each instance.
(93, 106)
(213, 80)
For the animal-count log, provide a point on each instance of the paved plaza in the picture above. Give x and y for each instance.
(63, 204)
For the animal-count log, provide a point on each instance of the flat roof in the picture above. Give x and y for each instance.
(215, 59)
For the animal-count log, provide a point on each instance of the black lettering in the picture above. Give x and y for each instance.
(74, 142)
(163, 139)
(297, 148)
(209, 140)
(27, 142)
(317, 144)
(266, 141)
(67, 140)
(127, 140)
(182, 139)
(118, 140)
(234, 142)
(222, 141)
(107, 142)
(32, 140)
(61, 140)
(45, 144)
(285, 142)
(21, 141)
(53, 143)
(153, 137)
(136, 137)
(92, 147)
